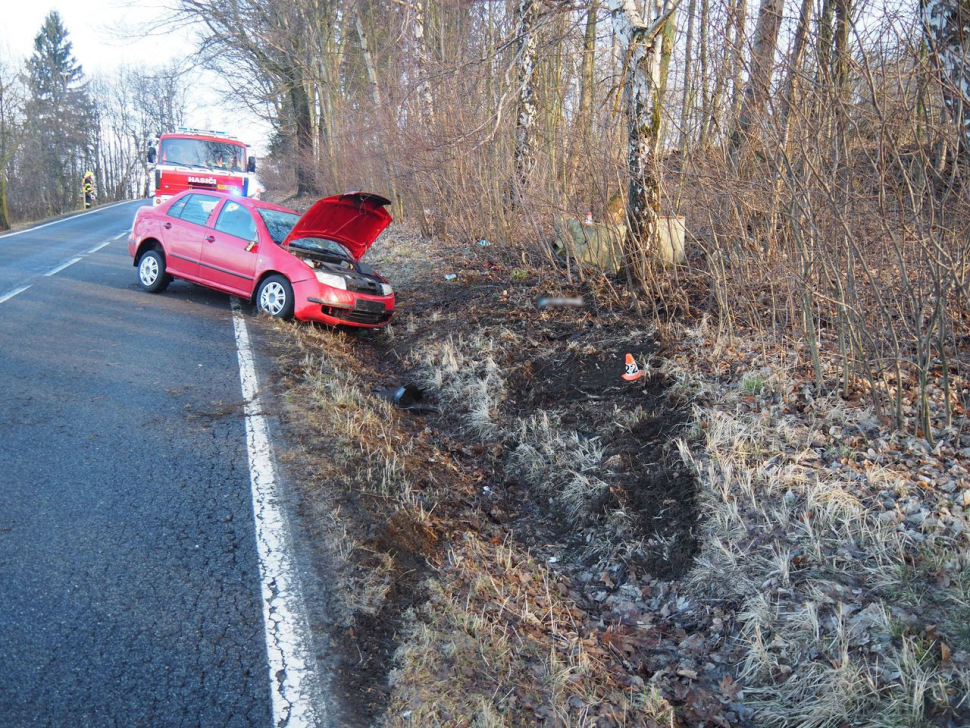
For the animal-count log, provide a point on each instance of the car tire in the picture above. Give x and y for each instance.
(151, 272)
(275, 297)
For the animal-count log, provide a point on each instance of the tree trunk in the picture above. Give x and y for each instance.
(378, 106)
(794, 70)
(737, 63)
(4, 209)
(840, 60)
(300, 104)
(685, 109)
(759, 80)
(526, 117)
(426, 101)
(712, 122)
(824, 42)
(945, 25)
(587, 89)
(642, 96)
(705, 98)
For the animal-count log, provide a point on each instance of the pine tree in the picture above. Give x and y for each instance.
(60, 115)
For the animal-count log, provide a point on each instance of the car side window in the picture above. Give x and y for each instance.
(176, 209)
(198, 208)
(236, 220)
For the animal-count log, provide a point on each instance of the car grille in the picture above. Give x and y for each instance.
(363, 285)
(360, 315)
(370, 306)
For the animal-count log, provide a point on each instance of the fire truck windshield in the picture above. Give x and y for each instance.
(203, 154)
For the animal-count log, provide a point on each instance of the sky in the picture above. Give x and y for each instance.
(110, 33)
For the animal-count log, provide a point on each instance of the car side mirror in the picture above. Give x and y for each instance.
(251, 167)
(152, 155)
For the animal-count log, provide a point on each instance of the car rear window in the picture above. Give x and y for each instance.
(278, 223)
(197, 208)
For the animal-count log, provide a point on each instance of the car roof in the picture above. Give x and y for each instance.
(245, 201)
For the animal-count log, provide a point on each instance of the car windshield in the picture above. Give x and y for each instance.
(203, 154)
(278, 223)
(322, 245)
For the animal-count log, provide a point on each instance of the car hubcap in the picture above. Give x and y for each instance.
(148, 270)
(272, 299)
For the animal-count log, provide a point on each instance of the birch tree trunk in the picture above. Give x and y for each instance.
(526, 118)
(759, 79)
(946, 24)
(642, 96)
(426, 101)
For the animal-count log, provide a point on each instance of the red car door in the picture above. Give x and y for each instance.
(182, 232)
(230, 250)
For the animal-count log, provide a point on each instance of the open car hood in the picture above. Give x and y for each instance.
(353, 219)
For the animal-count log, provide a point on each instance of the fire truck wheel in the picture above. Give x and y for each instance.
(275, 297)
(151, 272)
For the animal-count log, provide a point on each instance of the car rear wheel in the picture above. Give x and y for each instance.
(151, 272)
(275, 297)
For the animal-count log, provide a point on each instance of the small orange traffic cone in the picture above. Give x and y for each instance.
(632, 372)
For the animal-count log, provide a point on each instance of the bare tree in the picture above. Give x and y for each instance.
(11, 131)
(266, 50)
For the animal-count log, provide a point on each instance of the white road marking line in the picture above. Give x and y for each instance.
(7, 296)
(55, 222)
(292, 677)
(62, 266)
(121, 235)
(96, 248)
(72, 261)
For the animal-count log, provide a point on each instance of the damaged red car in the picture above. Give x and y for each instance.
(288, 265)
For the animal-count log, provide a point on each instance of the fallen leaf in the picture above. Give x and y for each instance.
(730, 689)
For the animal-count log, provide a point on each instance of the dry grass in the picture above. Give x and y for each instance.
(352, 441)
(844, 611)
(497, 645)
(561, 465)
(464, 373)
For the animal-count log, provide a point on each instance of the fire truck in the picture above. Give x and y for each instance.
(199, 159)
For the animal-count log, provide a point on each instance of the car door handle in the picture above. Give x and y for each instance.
(167, 226)
(210, 238)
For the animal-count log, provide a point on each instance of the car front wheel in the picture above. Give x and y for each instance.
(151, 272)
(275, 297)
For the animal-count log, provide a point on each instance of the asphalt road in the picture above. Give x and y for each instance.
(129, 582)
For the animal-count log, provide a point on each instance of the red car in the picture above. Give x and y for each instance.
(286, 264)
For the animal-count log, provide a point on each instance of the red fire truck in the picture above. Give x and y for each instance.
(200, 159)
